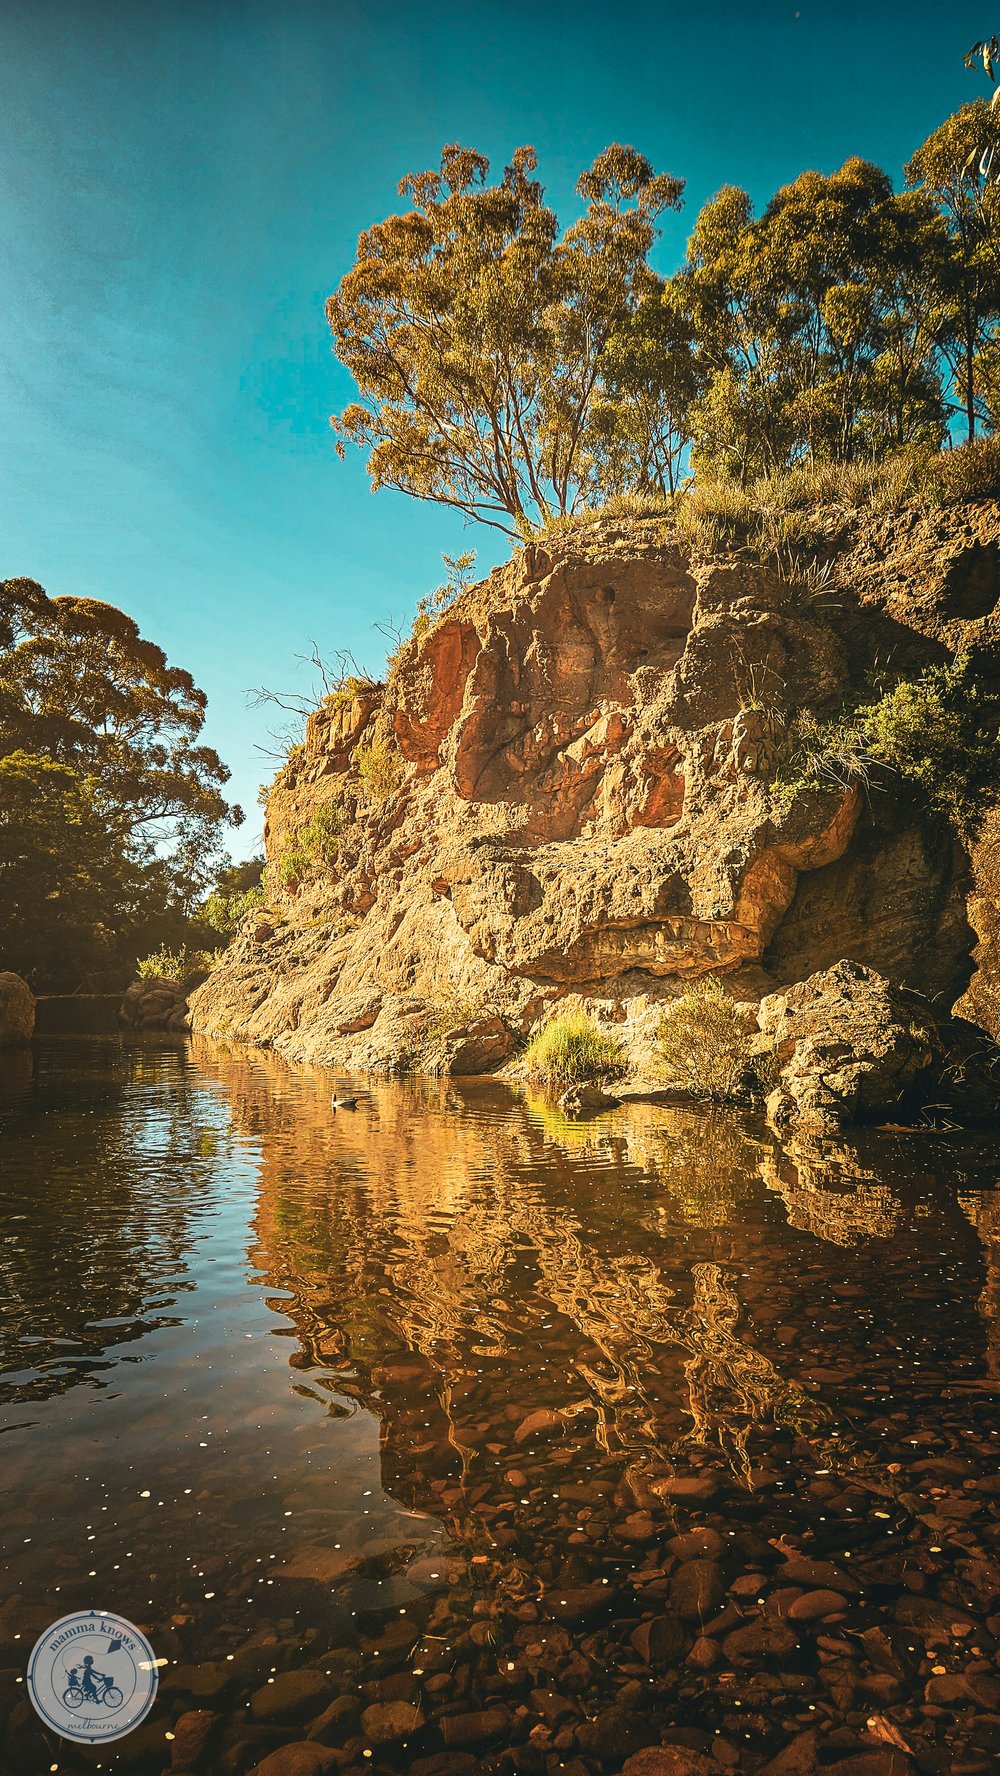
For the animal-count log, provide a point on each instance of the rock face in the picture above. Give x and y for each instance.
(853, 1047)
(155, 1003)
(17, 1011)
(563, 792)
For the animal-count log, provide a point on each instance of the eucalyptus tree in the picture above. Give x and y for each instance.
(477, 334)
(949, 168)
(111, 809)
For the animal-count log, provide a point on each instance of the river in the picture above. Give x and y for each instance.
(463, 1437)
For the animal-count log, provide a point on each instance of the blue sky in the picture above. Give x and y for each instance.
(183, 186)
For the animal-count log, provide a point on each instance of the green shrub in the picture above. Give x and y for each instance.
(351, 687)
(706, 1043)
(176, 964)
(316, 845)
(572, 1048)
(936, 732)
(226, 912)
(379, 768)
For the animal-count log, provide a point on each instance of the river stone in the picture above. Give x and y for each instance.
(887, 1761)
(460, 1731)
(696, 1544)
(477, 1047)
(586, 1099)
(817, 1575)
(697, 1589)
(689, 1488)
(303, 1758)
(192, 1732)
(579, 1603)
(669, 1760)
(814, 1604)
(337, 1721)
(661, 1641)
(763, 1639)
(154, 1003)
(291, 1696)
(447, 1763)
(17, 1011)
(615, 1734)
(800, 1757)
(385, 1722)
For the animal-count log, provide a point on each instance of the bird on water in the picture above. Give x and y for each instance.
(345, 1103)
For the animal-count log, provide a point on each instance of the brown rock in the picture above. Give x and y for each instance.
(663, 1640)
(154, 1003)
(817, 1575)
(697, 1589)
(482, 1726)
(572, 794)
(687, 1488)
(291, 1696)
(767, 1638)
(812, 1605)
(587, 1099)
(17, 1011)
(386, 1722)
(192, 1732)
(669, 1760)
(300, 1759)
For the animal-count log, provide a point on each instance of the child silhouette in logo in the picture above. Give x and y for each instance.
(87, 1681)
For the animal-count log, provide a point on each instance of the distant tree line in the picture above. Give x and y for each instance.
(516, 373)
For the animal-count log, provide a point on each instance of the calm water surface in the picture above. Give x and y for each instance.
(463, 1437)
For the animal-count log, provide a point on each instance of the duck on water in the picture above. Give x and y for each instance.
(343, 1103)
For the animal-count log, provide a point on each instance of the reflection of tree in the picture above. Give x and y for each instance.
(733, 1386)
(829, 1192)
(102, 1173)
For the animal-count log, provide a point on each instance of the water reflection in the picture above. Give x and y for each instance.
(97, 1235)
(321, 1349)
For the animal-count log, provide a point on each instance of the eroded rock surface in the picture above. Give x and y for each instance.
(17, 1011)
(854, 1047)
(155, 1003)
(563, 792)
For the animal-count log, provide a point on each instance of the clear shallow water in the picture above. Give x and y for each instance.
(512, 1430)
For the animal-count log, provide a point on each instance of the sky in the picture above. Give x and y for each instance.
(183, 185)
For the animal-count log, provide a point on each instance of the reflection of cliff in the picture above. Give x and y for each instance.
(462, 1273)
(983, 1210)
(828, 1192)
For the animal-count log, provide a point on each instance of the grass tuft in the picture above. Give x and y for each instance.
(572, 1048)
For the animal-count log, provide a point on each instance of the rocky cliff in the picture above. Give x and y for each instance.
(564, 791)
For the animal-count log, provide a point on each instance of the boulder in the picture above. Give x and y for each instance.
(478, 1046)
(854, 1047)
(155, 1003)
(587, 1099)
(17, 1011)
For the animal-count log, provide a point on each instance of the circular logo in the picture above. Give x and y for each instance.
(92, 1676)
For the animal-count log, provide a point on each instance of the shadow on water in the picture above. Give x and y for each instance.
(580, 1434)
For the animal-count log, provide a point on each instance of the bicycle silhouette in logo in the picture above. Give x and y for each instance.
(91, 1688)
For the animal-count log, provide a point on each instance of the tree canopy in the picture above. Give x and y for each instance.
(110, 809)
(476, 334)
(516, 372)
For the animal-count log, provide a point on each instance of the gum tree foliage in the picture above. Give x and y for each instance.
(813, 324)
(110, 809)
(955, 168)
(477, 335)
